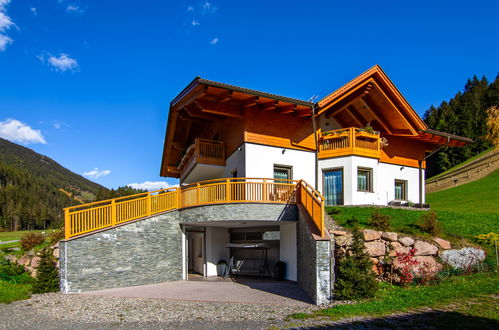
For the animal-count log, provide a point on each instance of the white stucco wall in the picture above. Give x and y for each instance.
(383, 180)
(235, 161)
(287, 250)
(216, 239)
(260, 161)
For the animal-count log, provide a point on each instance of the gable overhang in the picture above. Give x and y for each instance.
(205, 101)
(371, 98)
(434, 137)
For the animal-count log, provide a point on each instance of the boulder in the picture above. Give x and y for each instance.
(390, 236)
(343, 240)
(339, 232)
(371, 235)
(406, 241)
(24, 260)
(427, 266)
(55, 253)
(442, 243)
(35, 261)
(375, 249)
(425, 249)
(55, 246)
(397, 247)
(465, 258)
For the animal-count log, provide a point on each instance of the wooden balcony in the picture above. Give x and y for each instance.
(349, 141)
(204, 152)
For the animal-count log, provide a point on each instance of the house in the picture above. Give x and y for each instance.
(255, 172)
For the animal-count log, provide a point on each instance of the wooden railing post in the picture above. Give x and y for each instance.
(148, 204)
(67, 224)
(264, 190)
(113, 213)
(198, 192)
(227, 190)
(178, 195)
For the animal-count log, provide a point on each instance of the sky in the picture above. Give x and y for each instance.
(88, 83)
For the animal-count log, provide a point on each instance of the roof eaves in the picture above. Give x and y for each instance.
(449, 135)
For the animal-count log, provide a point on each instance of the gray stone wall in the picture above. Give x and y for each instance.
(314, 263)
(240, 212)
(142, 252)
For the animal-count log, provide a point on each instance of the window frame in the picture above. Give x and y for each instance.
(369, 179)
(404, 189)
(285, 168)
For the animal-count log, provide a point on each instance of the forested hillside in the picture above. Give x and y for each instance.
(471, 113)
(34, 189)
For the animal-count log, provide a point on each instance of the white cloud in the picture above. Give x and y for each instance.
(34, 11)
(16, 131)
(5, 24)
(96, 173)
(57, 125)
(152, 185)
(195, 23)
(74, 9)
(60, 63)
(208, 8)
(214, 41)
(190, 8)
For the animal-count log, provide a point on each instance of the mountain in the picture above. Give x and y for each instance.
(34, 189)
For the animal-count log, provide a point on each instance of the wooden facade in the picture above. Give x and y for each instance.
(234, 115)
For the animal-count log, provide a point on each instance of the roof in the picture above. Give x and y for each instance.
(198, 80)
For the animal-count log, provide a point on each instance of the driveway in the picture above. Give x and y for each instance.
(216, 290)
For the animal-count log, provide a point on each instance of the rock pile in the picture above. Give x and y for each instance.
(30, 259)
(383, 248)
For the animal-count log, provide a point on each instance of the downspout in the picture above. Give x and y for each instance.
(421, 180)
(314, 125)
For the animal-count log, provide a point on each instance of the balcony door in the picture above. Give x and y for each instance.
(333, 186)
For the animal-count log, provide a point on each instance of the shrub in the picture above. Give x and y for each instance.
(47, 274)
(379, 221)
(355, 278)
(429, 223)
(30, 240)
(334, 211)
(13, 273)
(56, 236)
(406, 262)
(464, 259)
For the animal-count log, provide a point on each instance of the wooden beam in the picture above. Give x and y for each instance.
(250, 102)
(269, 105)
(195, 112)
(303, 113)
(225, 97)
(287, 109)
(219, 109)
(351, 113)
(366, 106)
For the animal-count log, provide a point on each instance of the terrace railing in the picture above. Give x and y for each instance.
(349, 141)
(82, 219)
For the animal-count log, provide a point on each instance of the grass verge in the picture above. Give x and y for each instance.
(10, 292)
(393, 299)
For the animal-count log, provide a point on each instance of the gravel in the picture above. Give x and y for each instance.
(58, 311)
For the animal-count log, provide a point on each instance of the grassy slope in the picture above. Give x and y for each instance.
(462, 164)
(10, 292)
(478, 197)
(464, 211)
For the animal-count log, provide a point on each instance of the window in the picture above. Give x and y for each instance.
(401, 190)
(282, 172)
(364, 179)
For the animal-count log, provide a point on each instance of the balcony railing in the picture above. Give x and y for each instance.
(349, 141)
(202, 151)
(90, 217)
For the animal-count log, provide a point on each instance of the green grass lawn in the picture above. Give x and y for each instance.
(10, 292)
(393, 299)
(477, 197)
(15, 235)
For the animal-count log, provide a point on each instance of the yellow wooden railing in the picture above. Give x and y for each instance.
(349, 141)
(202, 151)
(82, 219)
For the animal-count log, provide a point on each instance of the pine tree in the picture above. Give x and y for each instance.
(47, 274)
(355, 277)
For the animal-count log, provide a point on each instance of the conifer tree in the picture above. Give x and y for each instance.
(47, 274)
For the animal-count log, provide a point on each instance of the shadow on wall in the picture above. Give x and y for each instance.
(429, 320)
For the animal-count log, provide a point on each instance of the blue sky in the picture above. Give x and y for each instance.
(88, 83)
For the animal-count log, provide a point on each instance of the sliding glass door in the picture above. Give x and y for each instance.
(333, 186)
